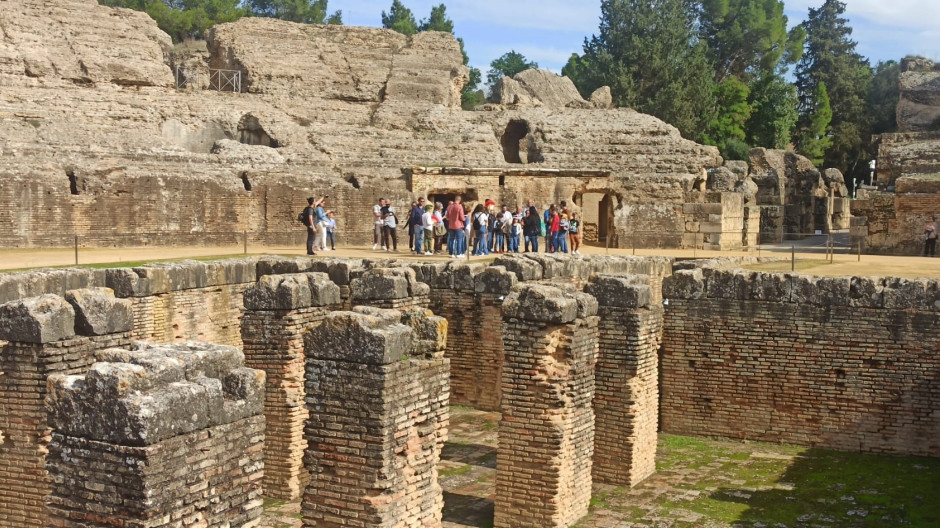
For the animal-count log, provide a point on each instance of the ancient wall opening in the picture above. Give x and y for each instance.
(518, 145)
(251, 132)
(597, 217)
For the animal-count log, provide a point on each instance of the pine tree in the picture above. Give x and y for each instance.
(830, 58)
(507, 65)
(650, 54)
(815, 139)
(399, 18)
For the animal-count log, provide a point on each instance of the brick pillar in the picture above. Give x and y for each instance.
(279, 309)
(162, 436)
(41, 334)
(391, 288)
(546, 436)
(626, 400)
(377, 391)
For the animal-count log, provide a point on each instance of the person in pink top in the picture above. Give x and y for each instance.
(456, 221)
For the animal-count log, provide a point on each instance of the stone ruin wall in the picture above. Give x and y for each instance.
(117, 156)
(860, 380)
(839, 363)
(891, 219)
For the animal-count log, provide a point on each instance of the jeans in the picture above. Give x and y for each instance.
(330, 235)
(514, 243)
(533, 241)
(456, 241)
(560, 241)
(311, 237)
(500, 241)
(419, 239)
(480, 246)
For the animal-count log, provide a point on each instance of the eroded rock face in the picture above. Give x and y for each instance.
(80, 42)
(541, 88)
(323, 109)
(919, 104)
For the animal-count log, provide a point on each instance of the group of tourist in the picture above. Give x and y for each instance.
(321, 225)
(486, 228)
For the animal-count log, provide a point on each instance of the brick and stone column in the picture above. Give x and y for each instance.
(162, 436)
(279, 309)
(546, 436)
(626, 399)
(391, 288)
(377, 391)
(45, 335)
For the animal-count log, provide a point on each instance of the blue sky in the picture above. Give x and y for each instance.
(549, 31)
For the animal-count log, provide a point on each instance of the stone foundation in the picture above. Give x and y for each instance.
(161, 436)
(42, 342)
(377, 393)
(546, 436)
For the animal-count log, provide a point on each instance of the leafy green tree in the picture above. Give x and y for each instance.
(183, 19)
(650, 54)
(399, 18)
(746, 37)
(773, 104)
(508, 65)
(830, 58)
(815, 139)
(883, 97)
(438, 21)
(306, 11)
(726, 129)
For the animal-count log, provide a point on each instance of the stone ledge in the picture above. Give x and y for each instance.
(369, 336)
(155, 392)
(631, 291)
(548, 304)
(98, 312)
(291, 292)
(43, 319)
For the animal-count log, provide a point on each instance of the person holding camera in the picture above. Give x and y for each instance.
(310, 216)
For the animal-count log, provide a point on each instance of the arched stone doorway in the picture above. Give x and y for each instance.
(597, 217)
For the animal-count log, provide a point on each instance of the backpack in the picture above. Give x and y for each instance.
(304, 217)
(476, 221)
(491, 224)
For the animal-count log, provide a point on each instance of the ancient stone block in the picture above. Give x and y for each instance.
(684, 284)
(495, 280)
(620, 291)
(279, 292)
(98, 312)
(367, 339)
(42, 319)
(524, 268)
(159, 435)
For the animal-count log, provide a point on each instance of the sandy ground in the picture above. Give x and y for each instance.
(809, 261)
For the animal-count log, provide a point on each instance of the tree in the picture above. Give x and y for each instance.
(399, 18)
(773, 104)
(305, 11)
(815, 139)
(182, 19)
(726, 129)
(830, 58)
(650, 54)
(508, 65)
(747, 37)
(883, 97)
(438, 21)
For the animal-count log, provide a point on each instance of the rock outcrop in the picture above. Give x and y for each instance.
(534, 88)
(919, 103)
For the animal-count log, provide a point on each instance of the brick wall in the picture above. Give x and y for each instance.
(377, 392)
(279, 310)
(41, 342)
(161, 436)
(837, 363)
(546, 435)
(626, 399)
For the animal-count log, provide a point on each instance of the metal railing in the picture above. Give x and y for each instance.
(218, 80)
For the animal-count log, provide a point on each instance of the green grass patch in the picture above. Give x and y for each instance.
(272, 503)
(453, 472)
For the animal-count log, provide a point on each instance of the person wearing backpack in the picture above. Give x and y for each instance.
(532, 229)
(308, 218)
(480, 220)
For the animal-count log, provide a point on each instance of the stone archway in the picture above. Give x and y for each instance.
(597, 217)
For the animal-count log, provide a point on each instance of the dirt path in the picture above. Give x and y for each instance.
(809, 262)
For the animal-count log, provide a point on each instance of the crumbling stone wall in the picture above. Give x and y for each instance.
(39, 337)
(834, 362)
(161, 436)
(389, 288)
(378, 394)
(546, 435)
(893, 223)
(626, 399)
(279, 310)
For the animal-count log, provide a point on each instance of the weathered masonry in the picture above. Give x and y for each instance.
(159, 436)
(845, 363)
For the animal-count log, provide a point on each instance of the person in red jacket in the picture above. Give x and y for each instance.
(456, 236)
